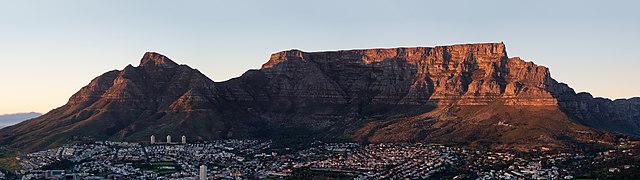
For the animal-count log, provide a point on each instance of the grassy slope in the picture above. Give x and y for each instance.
(525, 127)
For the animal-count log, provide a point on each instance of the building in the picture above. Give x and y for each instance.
(168, 139)
(184, 139)
(54, 174)
(115, 176)
(153, 139)
(203, 172)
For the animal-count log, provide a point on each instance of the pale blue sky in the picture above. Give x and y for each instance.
(50, 49)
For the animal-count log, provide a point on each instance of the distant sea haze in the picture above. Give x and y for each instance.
(11, 119)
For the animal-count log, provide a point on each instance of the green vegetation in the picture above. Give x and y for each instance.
(59, 165)
(160, 167)
(163, 163)
(9, 163)
(8, 159)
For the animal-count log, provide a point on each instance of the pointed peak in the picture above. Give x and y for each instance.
(156, 59)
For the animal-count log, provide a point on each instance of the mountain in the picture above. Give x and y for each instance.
(470, 94)
(11, 119)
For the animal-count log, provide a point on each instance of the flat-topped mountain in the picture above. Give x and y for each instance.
(471, 94)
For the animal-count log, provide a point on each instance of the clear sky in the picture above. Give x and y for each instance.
(50, 49)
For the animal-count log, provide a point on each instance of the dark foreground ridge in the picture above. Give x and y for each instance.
(470, 94)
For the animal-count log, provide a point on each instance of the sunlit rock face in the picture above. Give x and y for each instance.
(157, 83)
(459, 93)
(470, 74)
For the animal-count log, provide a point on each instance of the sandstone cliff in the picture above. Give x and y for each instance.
(469, 94)
(476, 74)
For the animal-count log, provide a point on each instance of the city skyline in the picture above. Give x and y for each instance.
(60, 47)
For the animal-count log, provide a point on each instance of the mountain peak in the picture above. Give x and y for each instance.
(156, 59)
(463, 93)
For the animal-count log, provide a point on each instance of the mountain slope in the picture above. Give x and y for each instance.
(159, 97)
(470, 94)
(10, 119)
(406, 94)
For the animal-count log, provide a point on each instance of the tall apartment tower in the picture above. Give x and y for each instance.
(168, 139)
(153, 139)
(203, 172)
(184, 139)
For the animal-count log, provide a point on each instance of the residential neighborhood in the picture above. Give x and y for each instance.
(232, 159)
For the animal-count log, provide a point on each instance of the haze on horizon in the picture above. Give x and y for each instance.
(49, 50)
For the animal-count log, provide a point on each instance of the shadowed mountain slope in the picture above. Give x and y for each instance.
(471, 94)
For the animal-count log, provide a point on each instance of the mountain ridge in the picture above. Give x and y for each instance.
(460, 93)
(13, 118)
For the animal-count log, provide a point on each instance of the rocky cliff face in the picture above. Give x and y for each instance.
(621, 115)
(157, 83)
(470, 94)
(471, 74)
(156, 97)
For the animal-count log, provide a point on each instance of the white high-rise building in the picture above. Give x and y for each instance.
(153, 139)
(203, 172)
(184, 139)
(168, 139)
